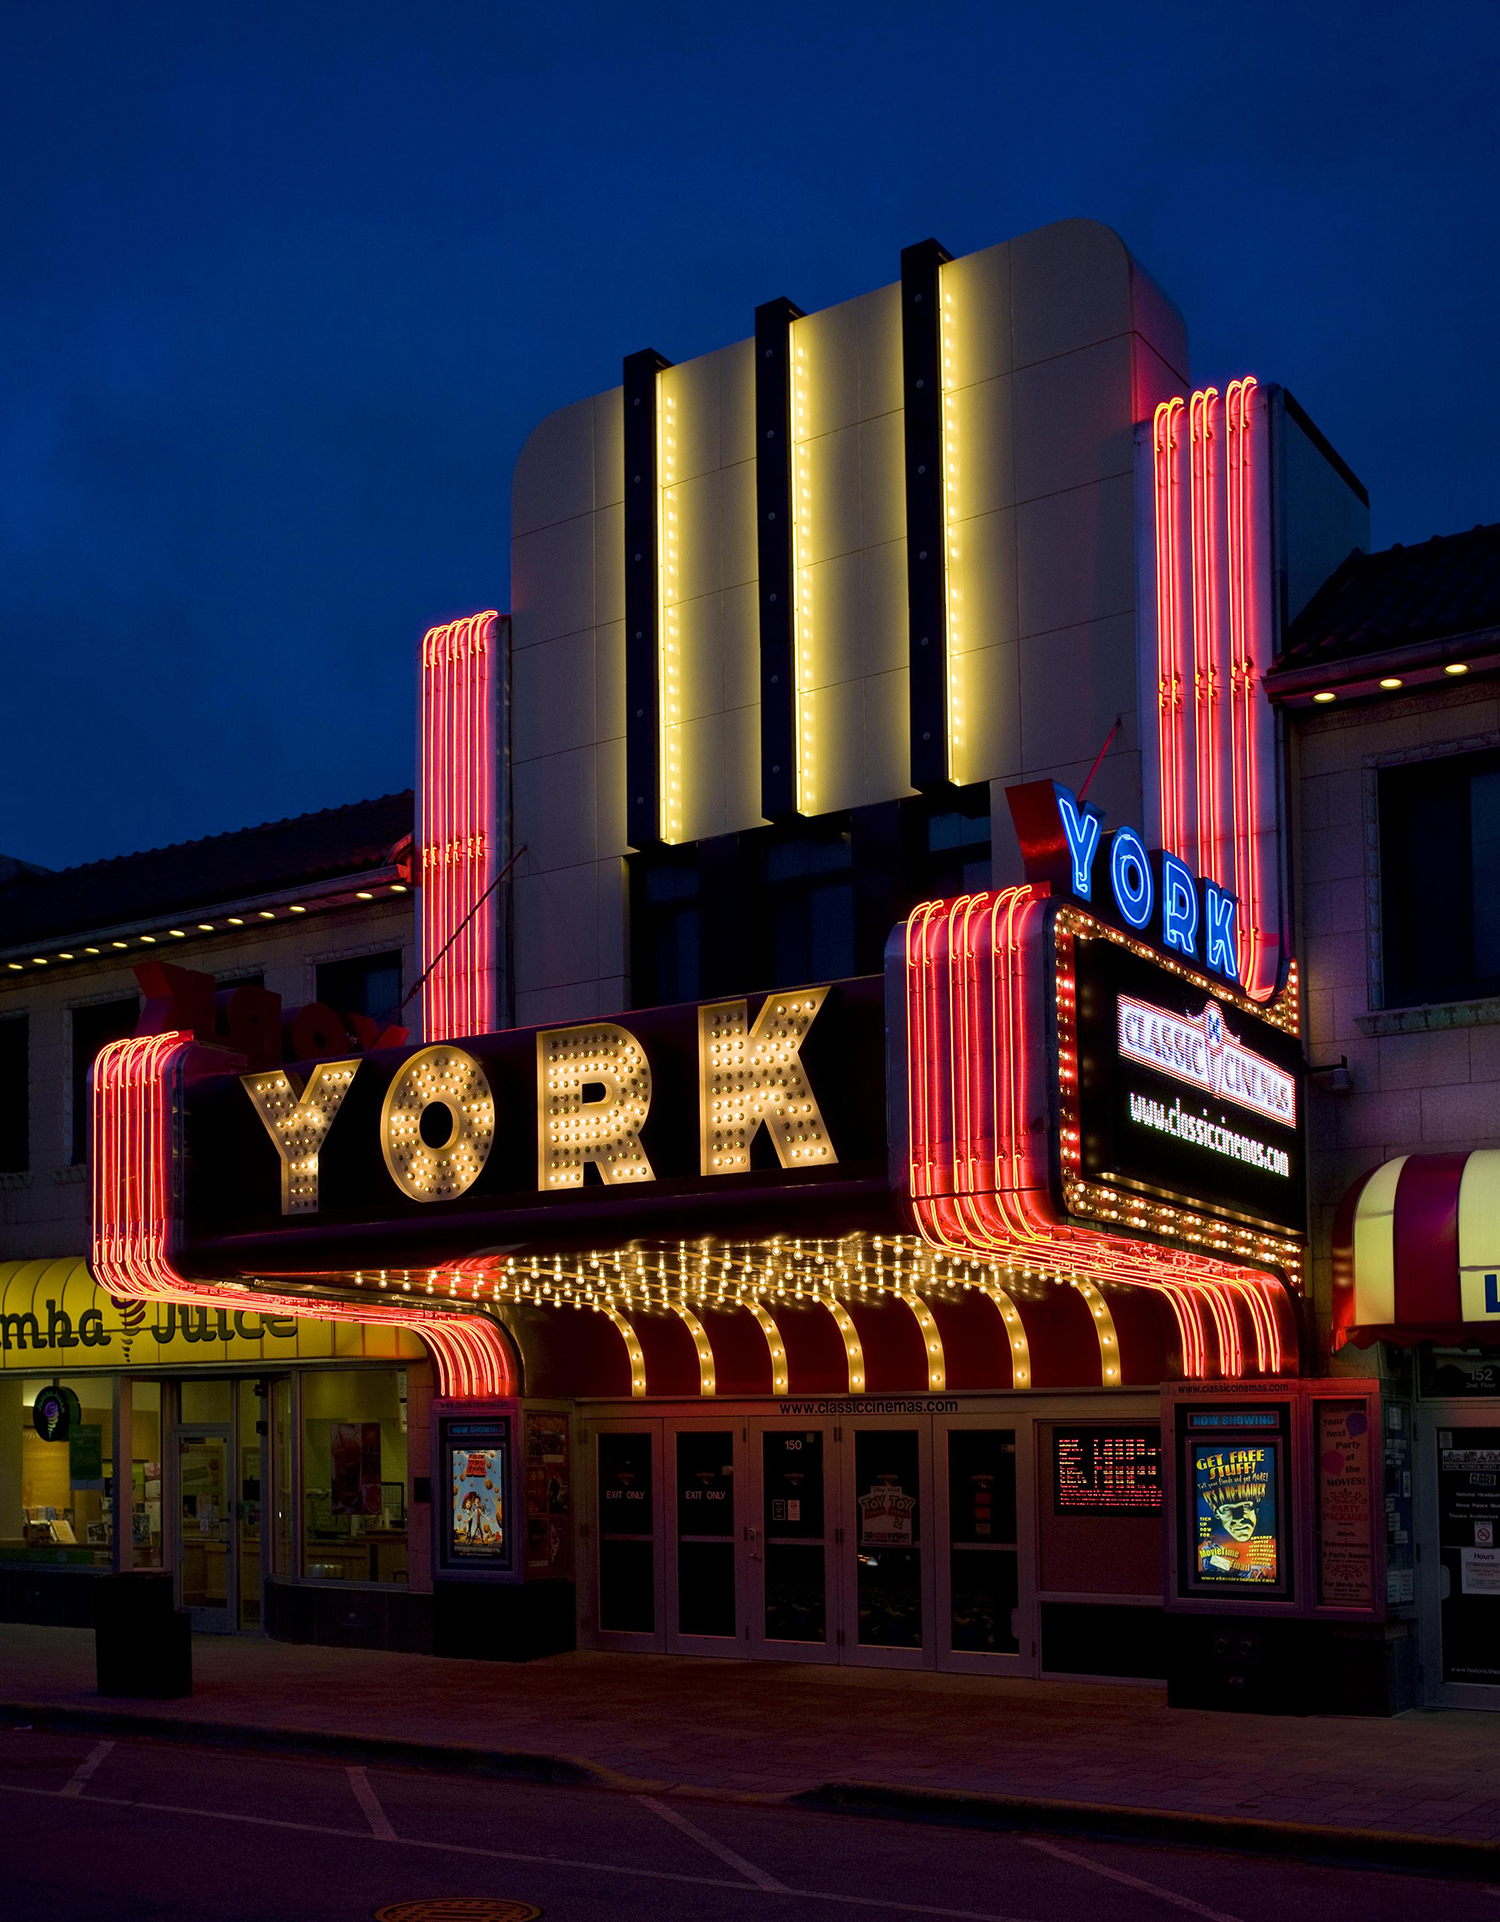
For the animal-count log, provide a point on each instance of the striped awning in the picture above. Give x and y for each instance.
(1416, 1250)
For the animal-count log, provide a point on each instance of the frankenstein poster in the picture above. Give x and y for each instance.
(1235, 1489)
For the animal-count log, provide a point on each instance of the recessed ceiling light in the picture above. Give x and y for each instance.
(236, 920)
(16, 966)
(206, 926)
(398, 887)
(1457, 667)
(1326, 695)
(91, 950)
(266, 915)
(1391, 680)
(149, 939)
(364, 894)
(297, 909)
(177, 934)
(65, 957)
(118, 944)
(39, 961)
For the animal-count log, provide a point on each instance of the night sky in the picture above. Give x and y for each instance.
(283, 289)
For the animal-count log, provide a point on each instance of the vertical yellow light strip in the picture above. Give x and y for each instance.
(802, 592)
(937, 1368)
(1015, 1329)
(952, 590)
(633, 1348)
(853, 1347)
(707, 1379)
(668, 620)
(780, 1379)
(1104, 1328)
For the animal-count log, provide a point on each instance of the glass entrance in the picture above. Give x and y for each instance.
(885, 1563)
(705, 1584)
(1468, 1502)
(791, 1539)
(204, 1526)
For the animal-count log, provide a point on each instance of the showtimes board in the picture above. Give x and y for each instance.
(1106, 1468)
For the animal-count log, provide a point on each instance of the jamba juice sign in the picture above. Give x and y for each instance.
(1236, 1511)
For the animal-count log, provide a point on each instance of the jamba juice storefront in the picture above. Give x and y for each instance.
(268, 1454)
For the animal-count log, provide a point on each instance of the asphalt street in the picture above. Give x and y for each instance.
(129, 1829)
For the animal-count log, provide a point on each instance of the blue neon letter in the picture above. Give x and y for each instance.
(1220, 939)
(1081, 826)
(1179, 907)
(1130, 877)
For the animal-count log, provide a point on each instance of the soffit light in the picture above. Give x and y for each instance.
(297, 909)
(236, 920)
(1456, 667)
(364, 894)
(1326, 695)
(1391, 680)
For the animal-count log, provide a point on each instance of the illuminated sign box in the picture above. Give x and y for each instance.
(1106, 1468)
(476, 1527)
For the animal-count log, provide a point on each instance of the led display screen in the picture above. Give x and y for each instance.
(1183, 1096)
(1106, 1469)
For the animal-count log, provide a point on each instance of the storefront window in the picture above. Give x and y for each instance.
(354, 1475)
(59, 1493)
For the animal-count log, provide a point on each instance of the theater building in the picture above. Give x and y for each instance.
(847, 1171)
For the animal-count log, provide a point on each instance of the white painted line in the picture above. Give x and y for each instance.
(369, 1801)
(512, 1855)
(726, 1855)
(80, 1775)
(1130, 1881)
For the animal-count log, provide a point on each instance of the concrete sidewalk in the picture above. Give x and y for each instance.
(675, 1723)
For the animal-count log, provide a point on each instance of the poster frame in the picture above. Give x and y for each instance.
(506, 1567)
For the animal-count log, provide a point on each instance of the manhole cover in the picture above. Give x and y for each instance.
(448, 1908)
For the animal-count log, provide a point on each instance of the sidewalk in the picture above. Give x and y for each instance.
(674, 1723)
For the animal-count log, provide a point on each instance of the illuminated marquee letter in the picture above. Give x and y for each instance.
(571, 1130)
(1130, 877)
(753, 1076)
(1080, 828)
(1220, 938)
(298, 1120)
(437, 1124)
(1179, 907)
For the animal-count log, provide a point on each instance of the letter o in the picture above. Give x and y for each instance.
(443, 1077)
(1130, 877)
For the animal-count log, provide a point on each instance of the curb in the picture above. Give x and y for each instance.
(1384, 1848)
(960, 1808)
(390, 1750)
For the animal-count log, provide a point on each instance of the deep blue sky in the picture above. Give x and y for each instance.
(283, 288)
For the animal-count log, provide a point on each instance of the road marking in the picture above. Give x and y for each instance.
(369, 1801)
(1130, 1881)
(726, 1855)
(513, 1855)
(80, 1775)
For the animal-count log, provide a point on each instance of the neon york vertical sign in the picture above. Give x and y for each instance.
(457, 827)
(1215, 734)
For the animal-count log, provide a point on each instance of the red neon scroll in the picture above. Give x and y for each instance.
(1216, 754)
(457, 828)
(978, 1170)
(131, 1219)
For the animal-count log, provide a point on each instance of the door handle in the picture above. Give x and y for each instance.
(753, 1536)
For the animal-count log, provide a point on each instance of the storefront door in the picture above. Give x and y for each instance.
(205, 1526)
(885, 1542)
(1459, 1469)
(793, 1539)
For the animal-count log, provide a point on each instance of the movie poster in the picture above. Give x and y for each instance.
(354, 1473)
(477, 1481)
(1235, 1489)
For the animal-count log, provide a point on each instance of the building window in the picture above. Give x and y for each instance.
(15, 1094)
(955, 857)
(354, 1475)
(666, 925)
(808, 883)
(369, 985)
(93, 1028)
(1440, 879)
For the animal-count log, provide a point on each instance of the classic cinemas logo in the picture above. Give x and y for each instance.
(593, 1096)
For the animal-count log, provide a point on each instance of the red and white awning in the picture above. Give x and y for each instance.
(1416, 1249)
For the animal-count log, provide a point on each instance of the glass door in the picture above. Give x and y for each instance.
(205, 1521)
(628, 1611)
(983, 1581)
(887, 1547)
(249, 1511)
(703, 1580)
(793, 1538)
(1459, 1477)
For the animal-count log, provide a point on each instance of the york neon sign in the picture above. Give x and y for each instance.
(1153, 894)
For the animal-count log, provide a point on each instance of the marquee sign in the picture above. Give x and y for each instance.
(672, 1120)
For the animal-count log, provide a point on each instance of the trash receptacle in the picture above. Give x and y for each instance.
(143, 1645)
